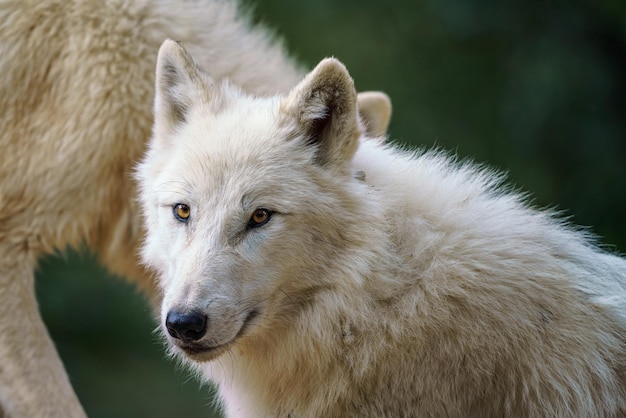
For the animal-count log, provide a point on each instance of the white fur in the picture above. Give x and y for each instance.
(425, 289)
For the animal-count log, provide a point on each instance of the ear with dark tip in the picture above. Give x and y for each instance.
(375, 113)
(179, 83)
(324, 109)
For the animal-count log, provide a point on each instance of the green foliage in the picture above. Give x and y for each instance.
(536, 88)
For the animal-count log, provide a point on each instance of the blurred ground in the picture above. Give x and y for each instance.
(534, 88)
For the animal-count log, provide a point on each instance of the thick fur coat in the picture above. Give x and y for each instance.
(313, 274)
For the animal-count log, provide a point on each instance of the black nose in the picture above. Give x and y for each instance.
(186, 326)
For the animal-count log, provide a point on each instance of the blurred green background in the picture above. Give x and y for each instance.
(534, 88)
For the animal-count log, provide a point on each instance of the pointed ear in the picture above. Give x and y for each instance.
(179, 84)
(324, 109)
(375, 113)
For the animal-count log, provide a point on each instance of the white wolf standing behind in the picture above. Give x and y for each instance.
(311, 274)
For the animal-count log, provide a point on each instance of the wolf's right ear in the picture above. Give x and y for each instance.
(179, 84)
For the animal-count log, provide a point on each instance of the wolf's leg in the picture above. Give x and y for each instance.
(33, 382)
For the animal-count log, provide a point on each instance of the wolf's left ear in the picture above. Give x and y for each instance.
(324, 108)
(179, 84)
(375, 113)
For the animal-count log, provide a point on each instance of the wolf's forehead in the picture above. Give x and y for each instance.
(234, 166)
(238, 146)
(236, 131)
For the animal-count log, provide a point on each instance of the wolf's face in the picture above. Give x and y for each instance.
(247, 200)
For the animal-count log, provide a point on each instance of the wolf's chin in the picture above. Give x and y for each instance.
(201, 354)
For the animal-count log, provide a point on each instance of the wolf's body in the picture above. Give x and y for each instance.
(76, 98)
(311, 276)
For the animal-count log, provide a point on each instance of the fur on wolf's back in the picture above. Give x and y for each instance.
(394, 284)
(516, 308)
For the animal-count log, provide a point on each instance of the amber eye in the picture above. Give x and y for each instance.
(181, 212)
(259, 217)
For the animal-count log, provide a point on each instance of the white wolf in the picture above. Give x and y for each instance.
(310, 274)
(76, 93)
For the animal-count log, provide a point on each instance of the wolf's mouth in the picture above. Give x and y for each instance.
(201, 353)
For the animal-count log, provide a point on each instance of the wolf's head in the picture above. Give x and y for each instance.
(251, 203)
